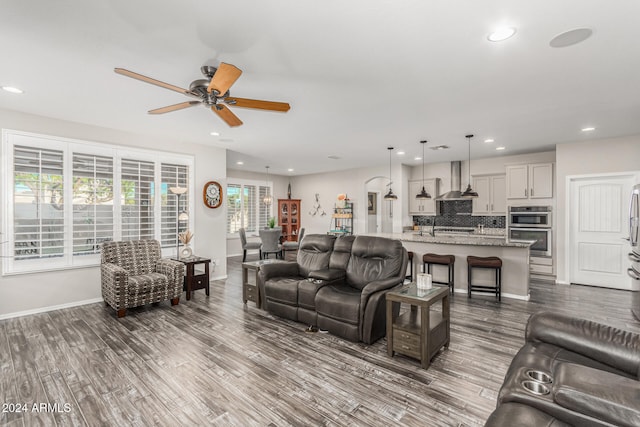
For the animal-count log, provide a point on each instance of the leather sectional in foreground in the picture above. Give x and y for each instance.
(337, 284)
(571, 372)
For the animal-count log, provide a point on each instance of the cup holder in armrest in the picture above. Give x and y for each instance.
(536, 387)
(539, 376)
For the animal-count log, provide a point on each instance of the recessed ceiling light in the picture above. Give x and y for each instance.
(501, 34)
(500, 148)
(215, 133)
(417, 158)
(289, 170)
(571, 37)
(488, 140)
(588, 129)
(12, 89)
(400, 153)
(239, 163)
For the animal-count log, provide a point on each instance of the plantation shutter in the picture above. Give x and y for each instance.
(234, 208)
(264, 209)
(38, 205)
(92, 178)
(137, 191)
(249, 210)
(172, 176)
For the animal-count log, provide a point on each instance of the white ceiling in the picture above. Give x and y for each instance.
(360, 75)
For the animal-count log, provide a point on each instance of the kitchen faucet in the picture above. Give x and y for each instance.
(433, 228)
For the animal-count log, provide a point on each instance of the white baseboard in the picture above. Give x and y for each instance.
(50, 308)
(562, 282)
(221, 277)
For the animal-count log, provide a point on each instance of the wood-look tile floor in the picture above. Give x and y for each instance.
(215, 361)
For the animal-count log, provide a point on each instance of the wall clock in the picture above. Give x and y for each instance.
(212, 194)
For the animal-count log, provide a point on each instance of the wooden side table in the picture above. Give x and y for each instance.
(250, 290)
(194, 279)
(418, 333)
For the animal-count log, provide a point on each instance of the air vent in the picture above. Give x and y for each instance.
(440, 147)
(333, 157)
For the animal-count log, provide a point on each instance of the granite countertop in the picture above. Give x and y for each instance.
(470, 240)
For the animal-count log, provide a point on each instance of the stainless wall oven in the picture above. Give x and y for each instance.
(541, 236)
(532, 223)
(530, 216)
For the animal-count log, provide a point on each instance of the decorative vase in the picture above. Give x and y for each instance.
(186, 251)
(289, 191)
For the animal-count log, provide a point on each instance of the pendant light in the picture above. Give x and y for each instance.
(469, 191)
(267, 199)
(423, 194)
(390, 196)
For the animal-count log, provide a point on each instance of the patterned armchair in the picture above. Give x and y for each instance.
(134, 274)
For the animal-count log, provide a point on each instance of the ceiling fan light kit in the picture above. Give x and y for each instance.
(212, 92)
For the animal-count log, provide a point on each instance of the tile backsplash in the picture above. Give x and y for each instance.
(457, 213)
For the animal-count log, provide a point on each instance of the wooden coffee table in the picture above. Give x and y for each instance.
(418, 333)
(250, 290)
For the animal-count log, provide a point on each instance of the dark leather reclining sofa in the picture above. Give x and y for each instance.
(593, 369)
(337, 284)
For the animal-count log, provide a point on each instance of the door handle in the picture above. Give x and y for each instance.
(532, 192)
(525, 192)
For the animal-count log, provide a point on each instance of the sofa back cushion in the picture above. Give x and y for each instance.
(341, 252)
(314, 253)
(373, 258)
(135, 256)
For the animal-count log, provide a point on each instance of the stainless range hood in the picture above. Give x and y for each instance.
(455, 193)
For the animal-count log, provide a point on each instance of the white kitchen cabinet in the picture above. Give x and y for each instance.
(423, 206)
(533, 181)
(491, 198)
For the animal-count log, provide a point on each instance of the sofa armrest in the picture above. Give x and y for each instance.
(598, 394)
(174, 270)
(380, 285)
(279, 269)
(606, 344)
(114, 282)
(328, 274)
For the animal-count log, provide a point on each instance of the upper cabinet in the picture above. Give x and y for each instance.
(491, 198)
(423, 206)
(533, 181)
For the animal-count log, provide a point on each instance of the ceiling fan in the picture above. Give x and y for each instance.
(212, 92)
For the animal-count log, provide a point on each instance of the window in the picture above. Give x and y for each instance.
(38, 208)
(173, 176)
(62, 198)
(245, 206)
(92, 202)
(137, 178)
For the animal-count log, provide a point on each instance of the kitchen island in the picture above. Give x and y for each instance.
(514, 255)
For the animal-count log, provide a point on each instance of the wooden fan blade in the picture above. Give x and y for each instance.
(256, 103)
(225, 76)
(150, 80)
(225, 114)
(174, 107)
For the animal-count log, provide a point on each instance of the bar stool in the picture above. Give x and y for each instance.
(448, 260)
(410, 275)
(492, 262)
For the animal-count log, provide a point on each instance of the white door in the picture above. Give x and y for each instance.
(598, 228)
